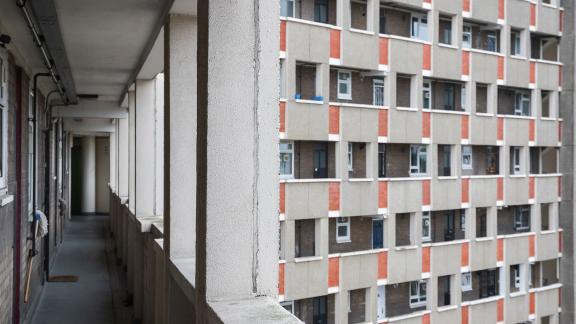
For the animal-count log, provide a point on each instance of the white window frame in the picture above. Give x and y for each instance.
(346, 223)
(516, 160)
(426, 222)
(289, 150)
(466, 281)
(350, 156)
(418, 299)
(420, 31)
(517, 276)
(463, 220)
(451, 21)
(348, 83)
(381, 302)
(378, 92)
(415, 167)
(522, 218)
(463, 97)
(491, 34)
(4, 92)
(287, 3)
(520, 99)
(467, 33)
(467, 151)
(427, 91)
(516, 38)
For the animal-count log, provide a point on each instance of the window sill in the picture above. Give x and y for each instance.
(306, 101)
(406, 248)
(516, 117)
(518, 57)
(408, 39)
(407, 109)
(546, 62)
(6, 199)
(449, 112)
(517, 294)
(450, 46)
(307, 259)
(446, 308)
(484, 239)
(487, 52)
(517, 176)
(361, 31)
(479, 114)
(343, 241)
(360, 179)
(313, 23)
(447, 178)
(548, 119)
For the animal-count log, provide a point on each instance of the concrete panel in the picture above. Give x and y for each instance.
(446, 194)
(446, 128)
(368, 57)
(406, 56)
(517, 309)
(404, 265)
(412, 3)
(548, 20)
(484, 312)
(447, 62)
(516, 131)
(485, 10)
(445, 259)
(359, 124)
(359, 198)
(547, 246)
(483, 191)
(482, 254)
(448, 6)
(446, 317)
(516, 249)
(483, 66)
(515, 190)
(547, 76)
(306, 200)
(546, 132)
(404, 196)
(518, 72)
(412, 320)
(306, 121)
(407, 126)
(308, 42)
(483, 130)
(306, 279)
(546, 189)
(358, 271)
(547, 302)
(518, 20)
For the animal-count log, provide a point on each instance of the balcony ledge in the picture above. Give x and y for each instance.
(482, 301)
(405, 317)
(308, 22)
(545, 288)
(310, 180)
(251, 310)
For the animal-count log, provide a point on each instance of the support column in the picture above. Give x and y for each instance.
(132, 151)
(88, 174)
(145, 148)
(113, 167)
(123, 166)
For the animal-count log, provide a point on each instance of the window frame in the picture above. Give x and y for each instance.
(516, 40)
(287, 2)
(516, 158)
(467, 33)
(418, 32)
(466, 281)
(381, 160)
(348, 83)
(345, 238)
(522, 218)
(286, 151)
(444, 32)
(427, 90)
(416, 168)
(520, 99)
(426, 217)
(491, 35)
(377, 84)
(517, 269)
(350, 156)
(467, 151)
(4, 100)
(418, 299)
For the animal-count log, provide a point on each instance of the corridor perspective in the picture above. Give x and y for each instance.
(287, 161)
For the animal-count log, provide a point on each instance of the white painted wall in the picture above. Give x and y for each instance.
(88, 174)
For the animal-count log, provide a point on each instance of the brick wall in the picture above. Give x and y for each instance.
(360, 236)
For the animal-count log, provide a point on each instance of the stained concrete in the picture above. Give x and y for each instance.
(86, 252)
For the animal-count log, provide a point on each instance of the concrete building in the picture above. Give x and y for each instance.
(420, 161)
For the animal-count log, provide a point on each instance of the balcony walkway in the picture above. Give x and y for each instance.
(96, 298)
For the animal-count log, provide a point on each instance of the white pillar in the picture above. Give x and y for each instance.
(123, 165)
(113, 152)
(132, 151)
(145, 149)
(88, 174)
(159, 146)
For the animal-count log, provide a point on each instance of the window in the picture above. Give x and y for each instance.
(546, 96)
(491, 41)
(481, 98)
(381, 160)
(463, 99)
(449, 97)
(467, 36)
(419, 27)
(515, 278)
(350, 157)
(403, 90)
(515, 43)
(321, 11)
(3, 120)
(488, 283)
(426, 227)
(427, 95)
(466, 281)
(444, 160)
(343, 230)
(287, 159)
(522, 219)
(522, 104)
(481, 222)
(515, 160)
(445, 30)
(378, 92)
(305, 238)
(466, 157)
(545, 217)
(287, 8)
(463, 220)
(418, 159)
(444, 291)
(417, 293)
(345, 85)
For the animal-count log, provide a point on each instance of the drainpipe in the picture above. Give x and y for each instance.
(18, 202)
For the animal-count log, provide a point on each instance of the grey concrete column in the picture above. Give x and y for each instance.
(159, 146)
(237, 153)
(123, 166)
(132, 151)
(145, 148)
(88, 174)
(113, 153)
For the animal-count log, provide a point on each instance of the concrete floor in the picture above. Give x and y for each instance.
(96, 298)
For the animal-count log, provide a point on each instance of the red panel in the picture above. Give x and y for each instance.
(531, 189)
(383, 265)
(500, 68)
(334, 120)
(532, 245)
(428, 1)
(465, 315)
(465, 256)
(334, 196)
(426, 317)
(383, 194)
(282, 117)
(500, 310)
(532, 72)
(281, 279)
(532, 130)
(532, 303)
(335, 43)
(283, 35)
(500, 131)
(426, 192)
(333, 272)
(561, 21)
(427, 57)
(426, 125)
(426, 259)
(465, 191)
(383, 122)
(465, 63)
(384, 50)
(282, 198)
(532, 14)
(466, 5)
(501, 9)
(465, 127)
(500, 250)
(500, 189)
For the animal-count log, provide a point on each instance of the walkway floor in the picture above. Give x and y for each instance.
(87, 253)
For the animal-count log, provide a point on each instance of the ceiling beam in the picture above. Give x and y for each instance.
(91, 109)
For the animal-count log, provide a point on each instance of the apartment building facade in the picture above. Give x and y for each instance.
(420, 161)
